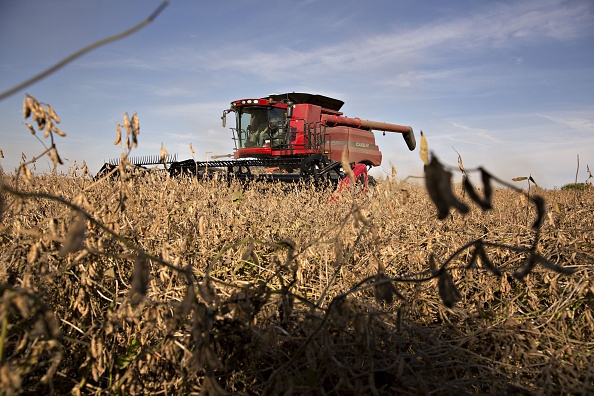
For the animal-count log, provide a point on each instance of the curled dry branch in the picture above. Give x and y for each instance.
(438, 182)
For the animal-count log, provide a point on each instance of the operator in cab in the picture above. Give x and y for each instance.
(257, 130)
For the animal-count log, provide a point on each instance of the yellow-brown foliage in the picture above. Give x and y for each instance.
(149, 284)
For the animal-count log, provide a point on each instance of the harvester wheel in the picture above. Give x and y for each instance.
(310, 166)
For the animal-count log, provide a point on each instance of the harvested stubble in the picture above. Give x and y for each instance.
(250, 291)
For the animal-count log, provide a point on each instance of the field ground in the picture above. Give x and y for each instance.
(171, 286)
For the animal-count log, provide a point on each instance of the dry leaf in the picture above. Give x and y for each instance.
(460, 165)
(201, 228)
(210, 386)
(32, 256)
(163, 154)
(485, 204)
(249, 252)
(135, 125)
(439, 186)
(447, 290)
(140, 280)
(56, 157)
(432, 263)
(118, 140)
(207, 291)
(359, 216)
(383, 290)
(541, 211)
(480, 250)
(53, 114)
(339, 312)
(487, 187)
(286, 306)
(126, 123)
(472, 261)
(75, 236)
(424, 151)
(188, 302)
(346, 166)
(31, 129)
(26, 108)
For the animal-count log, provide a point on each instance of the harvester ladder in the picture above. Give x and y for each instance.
(315, 137)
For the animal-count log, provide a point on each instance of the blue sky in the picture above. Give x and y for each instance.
(507, 84)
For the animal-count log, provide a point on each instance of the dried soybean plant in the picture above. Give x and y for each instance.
(218, 289)
(31, 340)
(131, 127)
(438, 182)
(45, 119)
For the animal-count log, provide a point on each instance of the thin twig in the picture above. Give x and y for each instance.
(83, 51)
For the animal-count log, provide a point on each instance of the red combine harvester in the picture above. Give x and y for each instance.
(292, 137)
